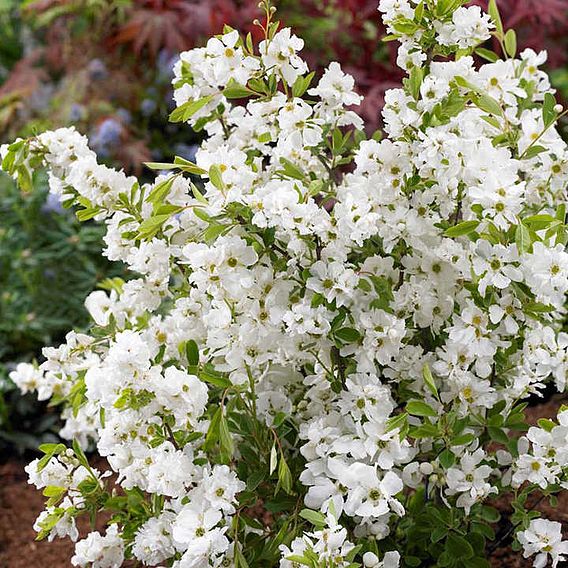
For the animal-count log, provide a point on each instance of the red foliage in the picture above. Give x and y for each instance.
(164, 24)
(177, 25)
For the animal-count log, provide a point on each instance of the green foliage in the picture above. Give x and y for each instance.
(49, 262)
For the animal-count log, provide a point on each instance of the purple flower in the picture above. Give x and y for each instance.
(107, 136)
(52, 205)
(76, 112)
(97, 70)
(147, 107)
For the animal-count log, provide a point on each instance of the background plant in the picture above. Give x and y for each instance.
(49, 262)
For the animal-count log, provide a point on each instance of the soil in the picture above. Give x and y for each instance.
(21, 503)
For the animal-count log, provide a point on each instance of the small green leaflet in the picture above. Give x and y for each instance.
(549, 115)
(511, 43)
(429, 380)
(420, 408)
(188, 109)
(314, 517)
(496, 17)
(461, 229)
(523, 238)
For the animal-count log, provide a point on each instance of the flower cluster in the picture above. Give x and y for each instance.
(318, 317)
(544, 538)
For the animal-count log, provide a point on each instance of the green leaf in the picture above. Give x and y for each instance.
(52, 449)
(492, 121)
(255, 479)
(300, 560)
(160, 165)
(487, 104)
(420, 408)
(192, 353)
(487, 54)
(533, 151)
(511, 43)
(538, 308)
(249, 43)
(239, 559)
(160, 190)
(489, 514)
(152, 225)
(419, 12)
(188, 109)
(415, 81)
(213, 231)
(438, 534)
(291, 170)
(398, 421)
(447, 459)
(301, 85)
(86, 214)
(225, 438)
(427, 430)
(215, 379)
(523, 238)
(187, 166)
(348, 334)
(539, 222)
(273, 459)
(548, 113)
(405, 26)
(429, 380)
(546, 424)
(496, 17)
(314, 517)
(462, 440)
(284, 475)
(497, 434)
(235, 90)
(461, 229)
(80, 454)
(458, 547)
(212, 436)
(216, 177)
(54, 491)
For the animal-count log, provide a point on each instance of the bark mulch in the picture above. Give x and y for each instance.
(20, 504)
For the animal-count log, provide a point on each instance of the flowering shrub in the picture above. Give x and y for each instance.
(324, 357)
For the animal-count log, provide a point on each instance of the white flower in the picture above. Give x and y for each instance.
(469, 27)
(279, 55)
(26, 377)
(543, 538)
(99, 551)
(470, 480)
(390, 560)
(99, 305)
(335, 88)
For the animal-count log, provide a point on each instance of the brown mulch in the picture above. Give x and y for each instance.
(20, 504)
